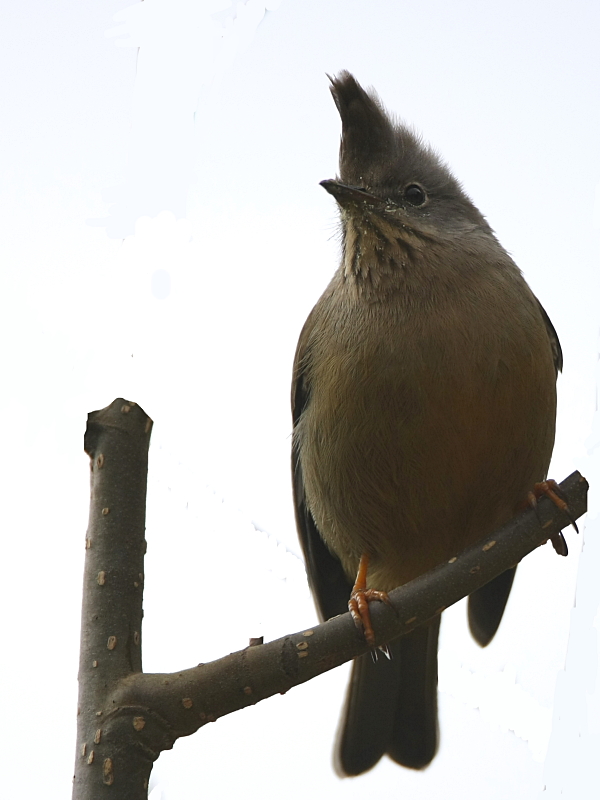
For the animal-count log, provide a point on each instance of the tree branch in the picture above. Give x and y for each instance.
(117, 440)
(143, 714)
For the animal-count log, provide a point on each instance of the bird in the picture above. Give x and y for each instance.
(424, 411)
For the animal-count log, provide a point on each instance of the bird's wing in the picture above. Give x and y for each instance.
(486, 606)
(553, 336)
(328, 582)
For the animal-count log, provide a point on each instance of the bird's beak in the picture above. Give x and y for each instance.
(346, 195)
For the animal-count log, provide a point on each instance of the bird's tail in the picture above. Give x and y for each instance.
(391, 706)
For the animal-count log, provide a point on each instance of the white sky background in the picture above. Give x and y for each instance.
(164, 238)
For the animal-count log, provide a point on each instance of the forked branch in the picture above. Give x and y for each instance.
(127, 717)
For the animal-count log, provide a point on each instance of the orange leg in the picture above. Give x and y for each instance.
(551, 489)
(360, 598)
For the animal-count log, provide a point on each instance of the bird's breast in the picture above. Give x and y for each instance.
(425, 428)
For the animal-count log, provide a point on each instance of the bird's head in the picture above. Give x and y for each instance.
(394, 192)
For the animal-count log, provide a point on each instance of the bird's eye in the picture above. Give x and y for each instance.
(415, 195)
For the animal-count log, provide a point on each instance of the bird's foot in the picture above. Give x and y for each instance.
(360, 598)
(552, 491)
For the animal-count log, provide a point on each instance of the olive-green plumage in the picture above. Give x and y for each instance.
(424, 409)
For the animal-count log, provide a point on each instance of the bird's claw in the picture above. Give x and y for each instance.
(358, 606)
(559, 544)
(552, 491)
